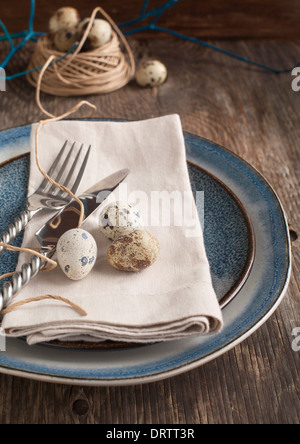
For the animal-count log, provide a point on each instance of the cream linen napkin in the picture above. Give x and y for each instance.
(172, 299)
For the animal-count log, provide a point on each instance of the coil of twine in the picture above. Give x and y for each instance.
(100, 71)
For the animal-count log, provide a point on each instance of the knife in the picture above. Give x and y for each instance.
(49, 234)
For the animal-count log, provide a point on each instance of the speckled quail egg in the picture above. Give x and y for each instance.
(152, 73)
(133, 252)
(100, 33)
(119, 218)
(65, 39)
(64, 18)
(76, 253)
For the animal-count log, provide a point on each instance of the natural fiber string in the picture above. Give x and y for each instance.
(55, 119)
(32, 251)
(12, 307)
(53, 265)
(100, 71)
(8, 247)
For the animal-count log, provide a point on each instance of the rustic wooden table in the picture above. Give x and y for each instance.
(256, 115)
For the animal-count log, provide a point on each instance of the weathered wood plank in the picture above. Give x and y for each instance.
(255, 114)
(214, 19)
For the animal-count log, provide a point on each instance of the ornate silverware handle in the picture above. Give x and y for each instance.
(15, 229)
(21, 278)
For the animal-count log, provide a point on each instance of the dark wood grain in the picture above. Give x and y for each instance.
(256, 115)
(204, 19)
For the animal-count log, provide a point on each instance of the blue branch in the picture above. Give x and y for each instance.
(37, 68)
(11, 36)
(7, 35)
(155, 13)
(31, 17)
(215, 48)
(144, 8)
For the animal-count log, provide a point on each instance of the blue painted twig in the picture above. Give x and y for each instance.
(155, 13)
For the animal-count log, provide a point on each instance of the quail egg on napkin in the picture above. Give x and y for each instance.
(76, 253)
(119, 218)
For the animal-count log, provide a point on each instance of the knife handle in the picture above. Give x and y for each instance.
(15, 229)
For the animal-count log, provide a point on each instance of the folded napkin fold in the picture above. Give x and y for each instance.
(172, 299)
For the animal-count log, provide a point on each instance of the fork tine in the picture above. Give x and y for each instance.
(71, 172)
(53, 166)
(53, 188)
(80, 174)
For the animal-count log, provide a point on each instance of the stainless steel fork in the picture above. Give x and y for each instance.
(48, 196)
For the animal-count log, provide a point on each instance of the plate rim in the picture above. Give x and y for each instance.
(234, 290)
(182, 368)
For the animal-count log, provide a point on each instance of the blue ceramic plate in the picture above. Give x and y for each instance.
(247, 242)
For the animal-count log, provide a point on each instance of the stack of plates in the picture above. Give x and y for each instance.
(248, 247)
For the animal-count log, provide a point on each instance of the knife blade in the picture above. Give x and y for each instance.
(68, 217)
(49, 234)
